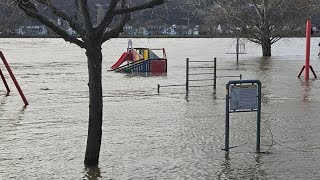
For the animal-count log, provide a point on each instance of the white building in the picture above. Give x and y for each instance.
(33, 30)
(143, 31)
(171, 30)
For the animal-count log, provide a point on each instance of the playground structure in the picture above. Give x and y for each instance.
(141, 60)
(306, 67)
(13, 79)
(213, 75)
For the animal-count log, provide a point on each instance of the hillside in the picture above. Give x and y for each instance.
(175, 12)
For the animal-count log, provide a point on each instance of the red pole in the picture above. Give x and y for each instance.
(308, 37)
(4, 82)
(14, 79)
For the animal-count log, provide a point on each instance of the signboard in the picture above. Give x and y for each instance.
(243, 97)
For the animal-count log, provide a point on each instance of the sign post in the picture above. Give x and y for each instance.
(243, 96)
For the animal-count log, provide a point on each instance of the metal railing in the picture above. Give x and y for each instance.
(203, 79)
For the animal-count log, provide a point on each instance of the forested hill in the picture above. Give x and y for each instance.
(178, 12)
(174, 12)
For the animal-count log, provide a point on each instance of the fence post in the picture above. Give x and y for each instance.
(158, 88)
(215, 74)
(237, 49)
(259, 117)
(226, 136)
(187, 75)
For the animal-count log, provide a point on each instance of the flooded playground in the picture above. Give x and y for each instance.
(167, 135)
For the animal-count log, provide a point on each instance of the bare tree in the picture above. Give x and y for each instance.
(91, 39)
(262, 21)
(9, 18)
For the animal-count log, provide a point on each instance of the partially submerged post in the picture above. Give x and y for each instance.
(13, 79)
(5, 82)
(187, 75)
(215, 73)
(307, 65)
(238, 49)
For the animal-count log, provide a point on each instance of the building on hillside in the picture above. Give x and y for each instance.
(172, 30)
(143, 31)
(129, 30)
(35, 30)
(156, 29)
(195, 30)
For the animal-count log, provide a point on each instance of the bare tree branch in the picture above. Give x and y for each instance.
(72, 22)
(118, 29)
(29, 8)
(146, 5)
(86, 16)
(108, 17)
(263, 21)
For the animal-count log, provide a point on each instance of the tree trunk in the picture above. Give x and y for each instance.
(266, 47)
(95, 104)
(265, 31)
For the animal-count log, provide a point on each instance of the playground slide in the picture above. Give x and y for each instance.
(125, 56)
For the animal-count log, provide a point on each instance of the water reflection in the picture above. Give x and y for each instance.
(249, 170)
(306, 89)
(92, 172)
(225, 167)
(265, 65)
(2, 101)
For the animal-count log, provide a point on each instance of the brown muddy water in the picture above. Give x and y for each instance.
(146, 135)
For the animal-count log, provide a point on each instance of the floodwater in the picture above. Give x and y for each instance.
(170, 135)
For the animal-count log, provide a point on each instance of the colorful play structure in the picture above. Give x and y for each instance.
(141, 60)
(13, 79)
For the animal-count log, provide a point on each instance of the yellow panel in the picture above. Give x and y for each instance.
(145, 54)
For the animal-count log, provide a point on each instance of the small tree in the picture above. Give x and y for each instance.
(262, 21)
(91, 39)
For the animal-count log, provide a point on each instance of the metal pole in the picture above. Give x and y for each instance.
(258, 117)
(226, 148)
(308, 37)
(215, 74)
(166, 66)
(187, 75)
(14, 79)
(4, 82)
(237, 49)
